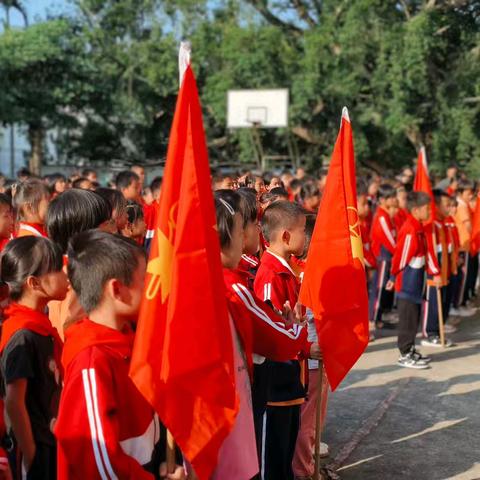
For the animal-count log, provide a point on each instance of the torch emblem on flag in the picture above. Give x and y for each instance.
(355, 234)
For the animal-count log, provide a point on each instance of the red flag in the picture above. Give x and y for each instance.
(334, 284)
(183, 358)
(422, 180)
(475, 242)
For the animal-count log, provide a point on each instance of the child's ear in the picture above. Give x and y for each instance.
(32, 283)
(286, 237)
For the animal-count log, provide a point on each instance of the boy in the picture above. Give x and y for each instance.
(408, 266)
(463, 220)
(129, 184)
(383, 247)
(431, 329)
(105, 428)
(283, 225)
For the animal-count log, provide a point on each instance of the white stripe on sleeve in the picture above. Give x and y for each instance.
(387, 231)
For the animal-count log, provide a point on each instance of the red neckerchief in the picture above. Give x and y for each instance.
(37, 226)
(18, 317)
(85, 334)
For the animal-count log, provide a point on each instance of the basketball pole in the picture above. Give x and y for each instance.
(257, 144)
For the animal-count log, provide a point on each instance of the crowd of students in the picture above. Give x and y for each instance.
(72, 270)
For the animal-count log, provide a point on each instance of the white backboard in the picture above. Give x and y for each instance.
(263, 108)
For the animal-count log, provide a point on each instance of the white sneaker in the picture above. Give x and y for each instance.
(449, 328)
(467, 312)
(455, 312)
(436, 342)
(324, 450)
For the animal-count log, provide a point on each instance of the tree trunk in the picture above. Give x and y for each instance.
(36, 137)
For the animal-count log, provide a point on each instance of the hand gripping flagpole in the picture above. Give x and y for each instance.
(183, 62)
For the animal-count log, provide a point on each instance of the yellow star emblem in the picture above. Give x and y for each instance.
(356, 237)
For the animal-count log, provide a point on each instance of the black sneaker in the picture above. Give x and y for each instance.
(408, 361)
(418, 356)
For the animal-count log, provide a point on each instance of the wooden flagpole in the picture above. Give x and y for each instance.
(318, 423)
(171, 461)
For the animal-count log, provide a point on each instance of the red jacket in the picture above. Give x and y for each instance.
(370, 260)
(105, 427)
(383, 235)
(262, 331)
(399, 218)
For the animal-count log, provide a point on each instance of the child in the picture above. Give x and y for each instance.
(83, 183)
(105, 427)
(402, 213)
(283, 225)
(431, 329)
(30, 350)
(383, 247)
(72, 212)
(118, 205)
(7, 222)
(57, 183)
(310, 196)
(303, 461)
(408, 266)
(31, 201)
(463, 220)
(135, 227)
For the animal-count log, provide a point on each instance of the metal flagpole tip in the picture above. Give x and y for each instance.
(184, 58)
(345, 114)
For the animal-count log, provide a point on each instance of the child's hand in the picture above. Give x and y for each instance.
(315, 352)
(288, 314)
(437, 280)
(178, 474)
(300, 318)
(389, 286)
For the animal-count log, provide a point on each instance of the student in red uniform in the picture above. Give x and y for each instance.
(402, 213)
(103, 419)
(7, 222)
(30, 350)
(31, 201)
(118, 205)
(431, 309)
(128, 183)
(283, 225)
(408, 270)
(383, 247)
(135, 227)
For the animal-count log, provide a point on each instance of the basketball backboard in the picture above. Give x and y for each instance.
(261, 108)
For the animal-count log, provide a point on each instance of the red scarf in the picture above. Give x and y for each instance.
(85, 333)
(18, 317)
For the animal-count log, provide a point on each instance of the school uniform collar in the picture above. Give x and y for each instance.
(282, 261)
(416, 223)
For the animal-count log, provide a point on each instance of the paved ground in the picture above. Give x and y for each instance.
(387, 422)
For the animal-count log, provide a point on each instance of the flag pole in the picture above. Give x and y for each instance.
(318, 422)
(440, 316)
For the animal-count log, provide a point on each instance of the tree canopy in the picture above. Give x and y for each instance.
(107, 78)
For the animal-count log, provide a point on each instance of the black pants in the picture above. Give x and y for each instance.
(44, 466)
(409, 319)
(260, 391)
(282, 425)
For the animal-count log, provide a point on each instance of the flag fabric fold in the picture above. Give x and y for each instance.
(334, 285)
(182, 360)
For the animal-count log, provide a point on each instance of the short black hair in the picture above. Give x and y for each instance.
(227, 204)
(277, 193)
(75, 211)
(114, 198)
(296, 183)
(156, 184)
(52, 179)
(386, 191)
(248, 204)
(78, 182)
(28, 256)
(417, 199)
(88, 171)
(438, 195)
(125, 179)
(5, 200)
(94, 257)
(464, 185)
(309, 190)
(29, 192)
(280, 215)
(24, 172)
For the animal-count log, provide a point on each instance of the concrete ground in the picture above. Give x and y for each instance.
(386, 422)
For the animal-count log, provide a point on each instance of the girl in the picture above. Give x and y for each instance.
(30, 350)
(136, 227)
(31, 201)
(118, 204)
(57, 183)
(72, 212)
(310, 196)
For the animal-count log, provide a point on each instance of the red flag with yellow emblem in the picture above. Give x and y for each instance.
(334, 285)
(183, 358)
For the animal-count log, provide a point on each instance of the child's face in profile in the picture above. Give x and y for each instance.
(422, 213)
(294, 237)
(131, 295)
(393, 207)
(363, 207)
(43, 207)
(251, 238)
(232, 254)
(54, 285)
(6, 221)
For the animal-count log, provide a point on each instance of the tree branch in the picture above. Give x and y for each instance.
(302, 10)
(405, 10)
(262, 8)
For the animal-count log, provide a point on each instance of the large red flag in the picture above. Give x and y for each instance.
(183, 355)
(422, 180)
(334, 284)
(475, 243)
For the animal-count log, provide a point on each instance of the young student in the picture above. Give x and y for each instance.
(463, 220)
(135, 227)
(105, 427)
(128, 183)
(72, 212)
(262, 333)
(7, 222)
(139, 170)
(90, 174)
(118, 205)
(31, 201)
(402, 213)
(223, 182)
(383, 246)
(303, 461)
(408, 269)
(272, 196)
(30, 350)
(57, 183)
(283, 225)
(363, 211)
(83, 183)
(431, 309)
(310, 196)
